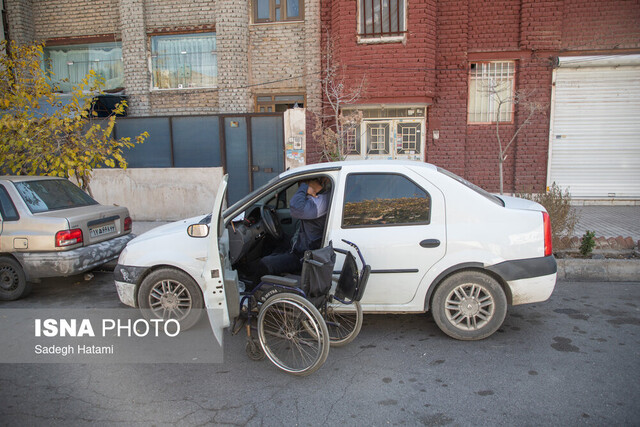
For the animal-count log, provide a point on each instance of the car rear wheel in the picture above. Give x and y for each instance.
(168, 293)
(13, 283)
(469, 306)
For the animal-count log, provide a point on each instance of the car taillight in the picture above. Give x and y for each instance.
(127, 224)
(68, 237)
(548, 241)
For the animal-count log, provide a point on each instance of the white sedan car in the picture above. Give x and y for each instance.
(434, 241)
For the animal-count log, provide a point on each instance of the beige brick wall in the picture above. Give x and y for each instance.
(184, 101)
(176, 14)
(75, 18)
(286, 54)
(277, 55)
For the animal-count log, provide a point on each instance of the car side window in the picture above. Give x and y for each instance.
(377, 199)
(7, 208)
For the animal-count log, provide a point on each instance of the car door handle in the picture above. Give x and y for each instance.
(286, 221)
(430, 243)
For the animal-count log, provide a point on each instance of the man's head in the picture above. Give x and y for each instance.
(316, 185)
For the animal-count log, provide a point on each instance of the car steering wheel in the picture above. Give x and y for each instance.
(271, 222)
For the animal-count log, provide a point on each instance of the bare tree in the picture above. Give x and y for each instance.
(504, 98)
(334, 127)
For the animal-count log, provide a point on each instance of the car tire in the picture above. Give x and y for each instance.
(13, 283)
(168, 293)
(469, 306)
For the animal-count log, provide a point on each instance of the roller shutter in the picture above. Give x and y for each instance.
(594, 145)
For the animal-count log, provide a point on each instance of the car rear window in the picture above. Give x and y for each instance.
(52, 195)
(486, 194)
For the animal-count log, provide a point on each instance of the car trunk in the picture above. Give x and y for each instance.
(98, 223)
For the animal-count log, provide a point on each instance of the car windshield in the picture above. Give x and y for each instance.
(52, 195)
(474, 187)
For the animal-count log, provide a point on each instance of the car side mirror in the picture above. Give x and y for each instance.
(198, 230)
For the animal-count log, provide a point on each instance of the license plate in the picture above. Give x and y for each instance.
(102, 230)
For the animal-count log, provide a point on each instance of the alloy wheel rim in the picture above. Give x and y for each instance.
(169, 299)
(469, 307)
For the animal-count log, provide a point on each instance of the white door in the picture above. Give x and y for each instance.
(398, 222)
(215, 297)
(594, 148)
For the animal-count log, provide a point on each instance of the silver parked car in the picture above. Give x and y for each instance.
(49, 227)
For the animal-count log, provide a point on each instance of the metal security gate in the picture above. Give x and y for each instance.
(249, 147)
(594, 145)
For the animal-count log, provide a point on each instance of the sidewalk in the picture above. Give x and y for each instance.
(609, 221)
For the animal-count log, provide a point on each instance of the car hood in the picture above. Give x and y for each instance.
(523, 204)
(168, 230)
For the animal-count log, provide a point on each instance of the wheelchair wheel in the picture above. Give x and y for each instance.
(293, 334)
(343, 322)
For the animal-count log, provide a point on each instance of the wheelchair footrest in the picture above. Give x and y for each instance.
(279, 280)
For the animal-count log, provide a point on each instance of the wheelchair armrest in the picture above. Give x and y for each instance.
(279, 280)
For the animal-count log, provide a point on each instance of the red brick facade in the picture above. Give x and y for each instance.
(431, 66)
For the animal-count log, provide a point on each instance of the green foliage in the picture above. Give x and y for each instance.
(68, 141)
(588, 243)
(558, 204)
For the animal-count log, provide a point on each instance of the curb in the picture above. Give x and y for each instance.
(594, 270)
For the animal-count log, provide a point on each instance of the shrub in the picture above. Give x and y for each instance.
(588, 243)
(558, 204)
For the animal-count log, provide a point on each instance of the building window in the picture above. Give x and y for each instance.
(277, 10)
(71, 64)
(377, 199)
(491, 90)
(382, 18)
(184, 61)
(278, 103)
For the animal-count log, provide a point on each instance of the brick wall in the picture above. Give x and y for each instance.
(247, 54)
(75, 18)
(277, 55)
(445, 36)
(21, 27)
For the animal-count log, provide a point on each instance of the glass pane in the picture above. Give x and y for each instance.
(70, 64)
(378, 138)
(384, 199)
(278, 18)
(263, 9)
(184, 61)
(7, 209)
(54, 194)
(410, 134)
(293, 8)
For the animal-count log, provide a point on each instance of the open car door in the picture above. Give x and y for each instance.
(221, 295)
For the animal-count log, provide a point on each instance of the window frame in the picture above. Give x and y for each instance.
(405, 224)
(284, 17)
(196, 33)
(87, 44)
(512, 77)
(381, 37)
(274, 102)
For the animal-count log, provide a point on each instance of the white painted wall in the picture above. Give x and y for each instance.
(152, 194)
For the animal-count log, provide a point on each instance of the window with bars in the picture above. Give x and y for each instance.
(491, 91)
(377, 138)
(382, 18)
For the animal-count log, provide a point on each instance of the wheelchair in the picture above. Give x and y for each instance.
(293, 320)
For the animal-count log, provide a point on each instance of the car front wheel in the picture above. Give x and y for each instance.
(469, 306)
(168, 293)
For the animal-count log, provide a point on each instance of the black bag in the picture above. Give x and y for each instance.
(317, 271)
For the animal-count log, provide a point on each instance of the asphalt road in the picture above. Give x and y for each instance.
(571, 360)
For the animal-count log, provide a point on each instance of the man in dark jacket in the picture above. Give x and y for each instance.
(310, 205)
